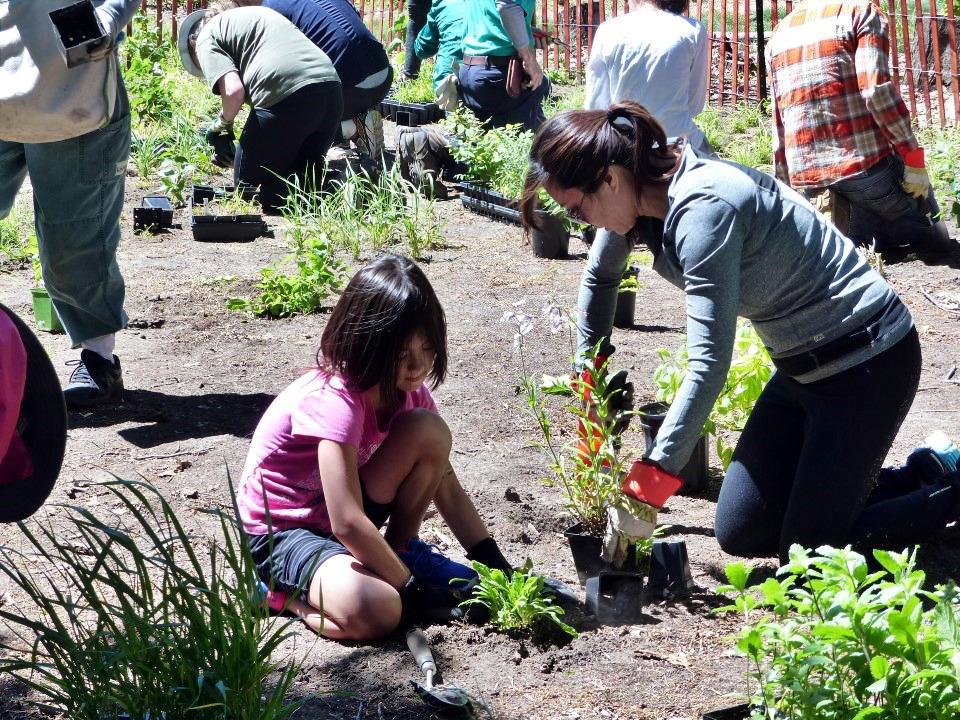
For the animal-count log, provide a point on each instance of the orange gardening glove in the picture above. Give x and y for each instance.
(649, 484)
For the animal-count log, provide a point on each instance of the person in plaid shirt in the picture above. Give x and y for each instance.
(840, 124)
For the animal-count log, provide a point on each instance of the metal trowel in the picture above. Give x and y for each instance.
(446, 697)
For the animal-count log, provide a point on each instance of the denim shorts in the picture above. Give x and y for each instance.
(288, 559)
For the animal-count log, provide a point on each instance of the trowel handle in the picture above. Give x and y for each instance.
(417, 642)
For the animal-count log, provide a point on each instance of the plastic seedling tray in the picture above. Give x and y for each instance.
(410, 114)
(214, 227)
(155, 213)
(488, 202)
(78, 31)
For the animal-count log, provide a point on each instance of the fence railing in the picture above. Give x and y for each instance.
(923, 46)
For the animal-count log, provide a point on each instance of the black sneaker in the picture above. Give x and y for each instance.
(94, 381)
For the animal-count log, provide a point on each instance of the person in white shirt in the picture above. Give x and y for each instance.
(655, 56)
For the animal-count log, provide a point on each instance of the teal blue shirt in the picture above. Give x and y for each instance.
(442, 36)
(484, 31)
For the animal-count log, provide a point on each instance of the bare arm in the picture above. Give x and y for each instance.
(341, 490)
(232, 95)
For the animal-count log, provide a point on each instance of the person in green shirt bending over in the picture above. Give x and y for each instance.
(442, 36)
(257, 56)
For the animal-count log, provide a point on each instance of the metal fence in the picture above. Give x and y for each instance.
(923, 45)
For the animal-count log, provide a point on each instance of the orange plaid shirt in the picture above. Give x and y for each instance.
(836, 111)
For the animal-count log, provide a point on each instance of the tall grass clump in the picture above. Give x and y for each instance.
(135, 619)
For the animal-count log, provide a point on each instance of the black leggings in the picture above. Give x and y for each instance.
(288, 139)
(808, 457)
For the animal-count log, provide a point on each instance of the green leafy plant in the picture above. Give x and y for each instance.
(831, 640)
(317, 271)
(417, 90)
(147, 151)
(750, 369)
(518, 602)
(588, 474)
(629, 281)
(16, 234)
(496, 157)
(133, 618)
(176, 175)
(231, 203)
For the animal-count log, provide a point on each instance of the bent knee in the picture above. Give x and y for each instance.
(370, 609)
(429, 429)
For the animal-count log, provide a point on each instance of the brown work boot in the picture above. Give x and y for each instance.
(420, 153)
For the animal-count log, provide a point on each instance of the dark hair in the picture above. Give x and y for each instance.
(677, 7)
(575, 148)
(382, 307)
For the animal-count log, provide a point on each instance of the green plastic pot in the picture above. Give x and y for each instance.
(44, 312)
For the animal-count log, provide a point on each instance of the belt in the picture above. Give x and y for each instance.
(802, 363)
(487, 60)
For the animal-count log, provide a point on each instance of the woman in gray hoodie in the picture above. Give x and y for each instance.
(740, 243)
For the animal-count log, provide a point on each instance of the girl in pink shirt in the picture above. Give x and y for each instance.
(356, 445)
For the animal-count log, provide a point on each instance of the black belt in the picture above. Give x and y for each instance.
(802, 363)
(487, 60)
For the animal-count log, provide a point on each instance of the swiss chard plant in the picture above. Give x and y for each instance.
(750, 369)
(830, 639)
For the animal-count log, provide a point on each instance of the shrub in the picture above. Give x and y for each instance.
(134, 619)
(496, 157)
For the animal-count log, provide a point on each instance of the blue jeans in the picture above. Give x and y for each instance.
(881, 210)
(77, 201)
(483, 90)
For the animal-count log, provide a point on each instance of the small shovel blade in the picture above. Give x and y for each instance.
(445, 697)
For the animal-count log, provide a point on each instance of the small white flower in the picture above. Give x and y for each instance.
(520, 303)
(524, 324)
(508, 316)
(517, 341)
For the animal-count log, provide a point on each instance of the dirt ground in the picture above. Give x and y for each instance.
(198, 377)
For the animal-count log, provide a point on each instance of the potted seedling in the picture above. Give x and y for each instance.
(227, 215)
(550, 234)
(627, 298)
(590, 469)
(44, 313)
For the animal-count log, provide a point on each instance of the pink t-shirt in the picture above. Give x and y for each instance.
(282, 462)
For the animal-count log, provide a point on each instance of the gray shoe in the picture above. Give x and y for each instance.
(94, 381)
(421, 154)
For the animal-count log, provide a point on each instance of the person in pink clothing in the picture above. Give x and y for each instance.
(356, 445)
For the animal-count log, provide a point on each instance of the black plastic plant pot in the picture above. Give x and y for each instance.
(155, 213)
(78, 32)
(615, 598)
(586, 556)
(626, 309)
(734, 712)
(549, 236)
(410, 114)
(694, 473)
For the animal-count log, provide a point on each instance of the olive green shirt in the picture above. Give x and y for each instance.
(272, 57)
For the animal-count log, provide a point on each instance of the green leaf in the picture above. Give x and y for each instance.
(738, 573)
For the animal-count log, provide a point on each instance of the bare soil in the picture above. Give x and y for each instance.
(198, 376)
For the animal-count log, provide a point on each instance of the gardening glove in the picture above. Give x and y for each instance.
(420, 600)
(648, 483)
(916, 181)
(220, 136)
(625, 526)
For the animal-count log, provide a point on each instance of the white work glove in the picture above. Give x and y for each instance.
(916, 181)
(625, 526)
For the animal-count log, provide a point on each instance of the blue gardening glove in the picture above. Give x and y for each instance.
(220, 136)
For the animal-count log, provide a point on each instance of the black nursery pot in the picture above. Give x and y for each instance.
(694, 473)
(734, 712)
(626, 309)
(549, 237)
(586, 555)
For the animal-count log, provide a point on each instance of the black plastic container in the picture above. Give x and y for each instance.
(223, 228)
(586, 556)
(550, 237)
(695, 473)
(410, 114)
(669, 569)
(490, 203)
(615, 598)
(78, 32)
(155, 213)
(734, 712)
(625, 310)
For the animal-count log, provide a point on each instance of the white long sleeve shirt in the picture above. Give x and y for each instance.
(657, 59)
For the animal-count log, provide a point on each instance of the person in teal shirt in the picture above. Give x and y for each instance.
(442, 36)
(496, 31)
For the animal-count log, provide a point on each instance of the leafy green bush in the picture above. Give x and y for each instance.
(133, 618)
(517, 602)
(496, 157)
(16, 234)
(418, 90)
(831, 640)
(750, 369)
